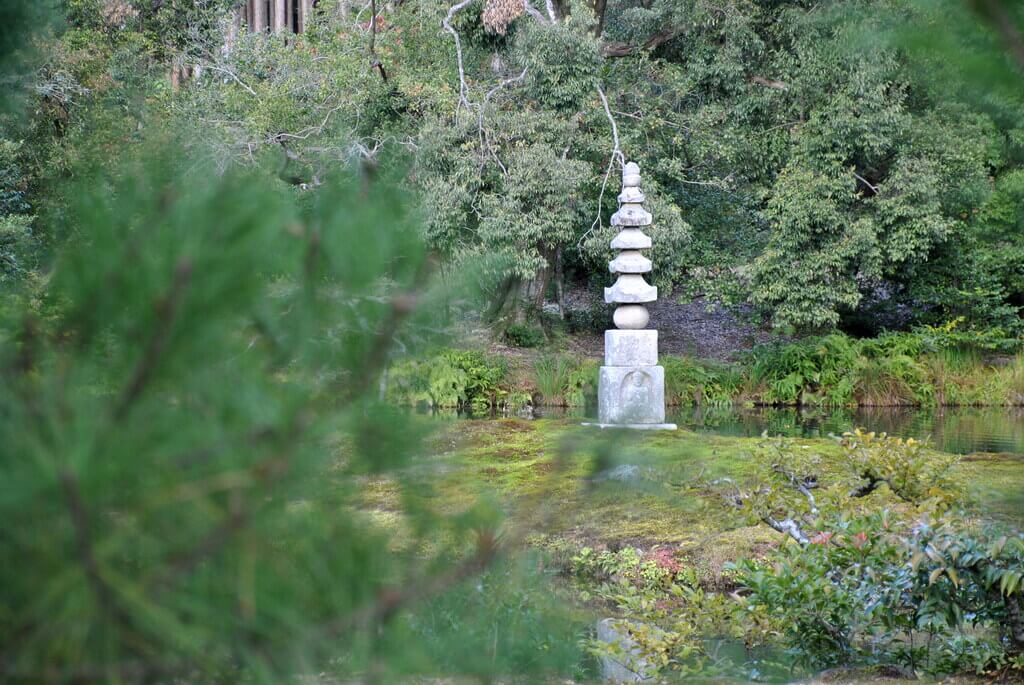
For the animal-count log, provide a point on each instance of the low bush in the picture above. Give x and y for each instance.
(928, 596)
(524, 335)
(689, 382)
(463, 379)
(565, 381)
(880, 566)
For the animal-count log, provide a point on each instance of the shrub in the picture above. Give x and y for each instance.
(581, 387)
(595, 318)
(664, 610)
(463, 379)
(907, 583)
(690, 382)
(926, 596)
(523, 335)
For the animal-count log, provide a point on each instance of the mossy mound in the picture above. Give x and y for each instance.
(548, 475)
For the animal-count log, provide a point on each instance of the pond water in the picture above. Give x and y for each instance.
(950, 429)
(961, 430)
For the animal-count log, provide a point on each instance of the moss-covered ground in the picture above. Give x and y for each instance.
(545, 474)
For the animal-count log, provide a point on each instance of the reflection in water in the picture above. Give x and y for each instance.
(951, 429)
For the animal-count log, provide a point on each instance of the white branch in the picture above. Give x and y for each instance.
(866, 182)
(233, 76)
(789, 527)
(615, 156)
(552, 15)
(534, 12)
(484, 139)
(446, 22)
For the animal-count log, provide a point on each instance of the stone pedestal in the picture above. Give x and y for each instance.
(631, 394)
(631, 386)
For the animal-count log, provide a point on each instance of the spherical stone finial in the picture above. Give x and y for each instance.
(631, 317)
(631, 175)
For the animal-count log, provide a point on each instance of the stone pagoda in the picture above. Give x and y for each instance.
(631, 387)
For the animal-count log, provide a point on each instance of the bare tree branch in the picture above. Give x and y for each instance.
(534, 12)
(207, 65)
(769, 83)
(484, 138)
(616, 155)
(447, 23)
(552, 14)
(626, 49)
(789, 527)
(802, 485)
(866, 182)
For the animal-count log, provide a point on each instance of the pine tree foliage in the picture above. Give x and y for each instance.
(188, 417)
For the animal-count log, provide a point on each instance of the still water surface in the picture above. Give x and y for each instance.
(951, 429)
(961, 430)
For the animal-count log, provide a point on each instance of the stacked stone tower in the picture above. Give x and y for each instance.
(631, 389)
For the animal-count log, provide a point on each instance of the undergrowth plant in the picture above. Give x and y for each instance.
(564, 381)
(187, 418)
(689, 382)
(449, 378)
(879, 564)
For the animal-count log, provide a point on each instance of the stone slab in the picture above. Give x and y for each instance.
(626, 663)
(631, 196)
(633, 426)
(631, 348)
(631, 239)
(631, 395)
(631, 215)
(630, 262)
(631, 289)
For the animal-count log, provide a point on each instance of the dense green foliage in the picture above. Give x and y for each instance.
(911, 584)
(187, 412)
(925, 369)
(225, 257)
(450, 379)
(829, 164)
(877, 571)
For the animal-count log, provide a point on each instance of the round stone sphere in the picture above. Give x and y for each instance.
(631, 317)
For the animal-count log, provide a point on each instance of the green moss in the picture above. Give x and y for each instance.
(995, 483)
(541, 473)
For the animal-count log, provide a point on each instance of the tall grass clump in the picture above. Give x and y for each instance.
(551, 375)
(689, 382)
(887, 373)
(1016, 380)
(449, 379)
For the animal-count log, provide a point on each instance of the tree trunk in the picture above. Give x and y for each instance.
(1014, 613)
(259, 17)
(504, 306)
(233, 28)
(305, 14)
(278, 22)
(559, 283)
(600, 6)
(373, 27)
